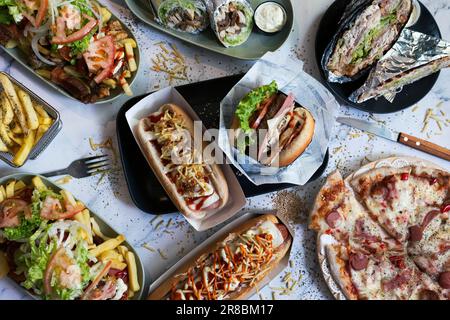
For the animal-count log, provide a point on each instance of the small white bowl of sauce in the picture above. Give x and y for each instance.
(270, 17)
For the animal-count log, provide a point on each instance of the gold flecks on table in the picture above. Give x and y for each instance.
(148, 247)
(171, 62)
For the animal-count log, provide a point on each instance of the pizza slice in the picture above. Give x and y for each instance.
(338, 213)
(392, 195)
(387, 277)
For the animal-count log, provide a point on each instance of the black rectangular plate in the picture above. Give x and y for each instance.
(145, 190)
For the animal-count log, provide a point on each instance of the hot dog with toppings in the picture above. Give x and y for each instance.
(230, 268)
(196, 187)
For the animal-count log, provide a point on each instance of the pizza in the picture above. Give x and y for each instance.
(391, 230)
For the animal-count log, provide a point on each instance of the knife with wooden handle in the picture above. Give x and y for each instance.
(403, 138)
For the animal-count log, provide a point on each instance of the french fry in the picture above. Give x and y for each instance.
(41, 111)
(25, 149)
(130, 294)
(5, 136)
(38, 183)
(111, 255)
(106, 14)
(68, 197)
(16, 129)
(3, 146)
(11, 44)
(107, 245)
(110, 83)
(130, 41)
(122, 250)
(2, 196)
(8, 113)
(130, 56)
(3, 191)
(15, 138)
(30, 113)
(87, 220)
(43, 128)
(14, 100)
(10, 189)
(125, 86)
(19, 185)
(44, 73)
(132, 271)
(96, 230)
(45, 121)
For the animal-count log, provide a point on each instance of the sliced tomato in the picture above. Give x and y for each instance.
(41, 13)
(263, 111)
(58, 259)
(52, 209)
(10, 210)
(87, 293)
(99, 58)
(62, 38)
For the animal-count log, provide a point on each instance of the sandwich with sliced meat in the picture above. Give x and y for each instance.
(414, 57)
(364, 37)
(280, 128)
(231, 267)
(196, 186)
(231, 20)
(183, 15)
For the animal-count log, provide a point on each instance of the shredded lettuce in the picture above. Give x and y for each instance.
(10, 11)
(250, 103)
(33, 258)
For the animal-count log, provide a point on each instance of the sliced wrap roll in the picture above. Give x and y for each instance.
(182, 15)
(368, 29)
(413, 57)
(231, 20)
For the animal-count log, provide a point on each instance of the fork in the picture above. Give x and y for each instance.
(83, 167)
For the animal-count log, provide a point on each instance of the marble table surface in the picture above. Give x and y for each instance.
(109, 197)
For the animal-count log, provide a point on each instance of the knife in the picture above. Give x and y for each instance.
(403, 138)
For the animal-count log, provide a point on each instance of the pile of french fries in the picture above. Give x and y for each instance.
(111, 249)
(23, 121)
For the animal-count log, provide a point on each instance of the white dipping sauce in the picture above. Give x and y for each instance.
(270, 17)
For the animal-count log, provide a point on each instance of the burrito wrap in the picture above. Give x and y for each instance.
(182, 15)
(231, 20)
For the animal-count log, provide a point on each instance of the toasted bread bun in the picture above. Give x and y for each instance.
(165, 288)
(151, 153)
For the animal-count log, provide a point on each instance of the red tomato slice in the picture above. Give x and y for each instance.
(52, 209)
(62, 38)
(58, 259)
(263, 112)
(41, 13)
(99, 58)
(9, 212)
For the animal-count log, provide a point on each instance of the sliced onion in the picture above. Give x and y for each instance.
(34, 46)
(42, 29)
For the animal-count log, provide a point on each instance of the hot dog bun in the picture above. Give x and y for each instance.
(216, 175)
(164, 289)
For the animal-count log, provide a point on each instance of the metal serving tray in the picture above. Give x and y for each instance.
(47, 137)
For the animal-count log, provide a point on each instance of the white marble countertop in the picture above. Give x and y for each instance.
(110, 198)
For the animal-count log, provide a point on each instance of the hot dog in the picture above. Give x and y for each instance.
(195, 187)
(289, 127)
(231, 267)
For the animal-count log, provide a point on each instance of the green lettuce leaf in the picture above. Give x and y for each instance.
(251, 102)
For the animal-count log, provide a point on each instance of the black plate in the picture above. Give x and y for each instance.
(410, 95)
(145, 190)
